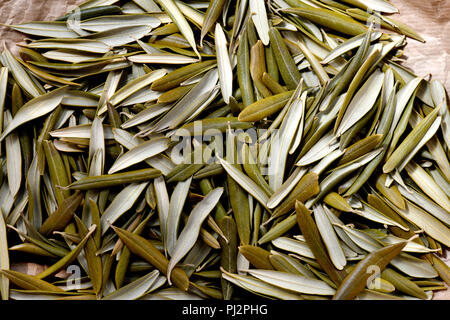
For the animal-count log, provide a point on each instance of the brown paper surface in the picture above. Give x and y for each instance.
(18, 11)
(428, 17)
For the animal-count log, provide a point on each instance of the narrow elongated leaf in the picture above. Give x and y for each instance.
(212, 14)
(245, 182)
(93, 261)
(366, 64)
(162, 203)
(3, 87)
(35, 108)
(411, 246)
(348, 45)
(241, 209)
(331, 19)
(319, 71)
(360, 148)
(149, 6)
(259, 287)
(295, 246)
(146, 115)
(190, 103)
(143, 151)
(425, 203)
(70, 56)
(129, 141)
(288, 70)
(423, 132)
(406, 263)
(4, 259)
(322, 148)
(356, 280)
(106, 181)
(58, 174)
(259, 17)
(83, 131)
(223, 64)
(293, 282)
(243, 71)
(59, 219)
(256, 256)
(176, 77)
(132, 87)
(440, 101)
(371, 213)
(285, 188)
(329, 237)
(121, 36)
(162, 59)
(51, 29)
(147, 251)
(428, 185)
(135, 289)
(402, 98)
(144, 95)
(28, 282)
(97, 145)
(83, 45)
(339, 174)
(176, 205)
(13, 159)
(279, 151)
(121, 204)
(306, 188)
(106, 23)
(34, 189)
(191, 12)
(428, 223)
(228, 256)
(23, 78)
(283, 262)
(80, 99)
(67, 259)
(190, 233)
(178, 18)
(362, 102)
(403, 284)
(375, 5)
(202, 126)
(265, 107)
(312, 236)
(109, 88)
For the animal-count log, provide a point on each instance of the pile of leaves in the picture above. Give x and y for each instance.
(222, 150)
